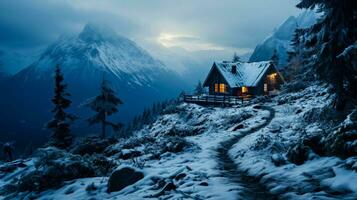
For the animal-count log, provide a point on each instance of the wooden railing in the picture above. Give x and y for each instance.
(215, 99)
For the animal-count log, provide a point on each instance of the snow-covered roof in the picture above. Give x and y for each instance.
(248, 74)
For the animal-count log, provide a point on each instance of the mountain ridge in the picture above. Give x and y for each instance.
(281, 37)
(139, 79)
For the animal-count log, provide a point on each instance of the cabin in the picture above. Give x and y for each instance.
(243, 79)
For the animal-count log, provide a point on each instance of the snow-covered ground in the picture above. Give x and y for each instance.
(318, 177)
(191, 163)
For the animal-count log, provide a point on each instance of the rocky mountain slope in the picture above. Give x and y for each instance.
(286, 149)
(280, 39)
(85, 59)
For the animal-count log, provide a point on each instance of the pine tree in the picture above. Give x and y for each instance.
(235, 58)
(60, 124)
(275, 58)
(105, 104)
(199, 88)
(296, 66)
(327, 39)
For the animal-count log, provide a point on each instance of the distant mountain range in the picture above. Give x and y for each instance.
(12, 61)
(85, 59)
(281, 38)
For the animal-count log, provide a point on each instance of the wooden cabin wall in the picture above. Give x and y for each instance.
(216, 77)
(259, 89)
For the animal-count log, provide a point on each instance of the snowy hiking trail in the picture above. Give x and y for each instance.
(251, 187)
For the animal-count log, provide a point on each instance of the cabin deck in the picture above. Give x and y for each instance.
(216, 99)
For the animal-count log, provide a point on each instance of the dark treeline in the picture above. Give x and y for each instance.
(327, 50)
(148, 116)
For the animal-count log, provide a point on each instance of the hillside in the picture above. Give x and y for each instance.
(280, 147)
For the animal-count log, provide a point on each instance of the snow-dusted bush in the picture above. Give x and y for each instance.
(185, 131)
(53, 167)
(175, 144)
(261, 142)
(298, 153)
(91, 188)
(137, 141)
(91, 145)
(343, 141)
(295, 86)
(236, 119)
(324, 114)
(171, 109)
(102, 165)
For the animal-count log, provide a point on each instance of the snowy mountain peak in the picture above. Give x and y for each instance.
(280, 40)
(97, 33)
(97, 49)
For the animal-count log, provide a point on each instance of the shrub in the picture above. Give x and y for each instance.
(343, 141)
(298, 153)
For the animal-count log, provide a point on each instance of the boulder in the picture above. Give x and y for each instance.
(298, 154)
(277, 159)
(176, 144)
(92, 145)
(203, 183)
(239, 126)
(122, 178)
(180, 176)
(128, 154)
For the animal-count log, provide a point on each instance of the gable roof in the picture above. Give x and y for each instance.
(248, 74)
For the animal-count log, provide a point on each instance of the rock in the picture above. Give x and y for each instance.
(204, 183)
(279, 190)
(128, 154)
(180, 176)
(282, 101)
(277, 159)
(298, 154)
(70, 190)
(11, 166)
(91, 188)
(275, 128)
(239, 126)
(160, 184)
(122, 178)
(176, 144)
(169, 186)
(298, 111)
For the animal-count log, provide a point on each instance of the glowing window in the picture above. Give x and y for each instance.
(244, 89)
(272, 77)
(222, 88)
(216, 89)
(265, 87)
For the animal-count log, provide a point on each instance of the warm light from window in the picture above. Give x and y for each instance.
(265, 87)
(222, 88)
(272, 76)
(244, 89)
(216, 89)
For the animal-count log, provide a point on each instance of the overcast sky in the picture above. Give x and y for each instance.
(190, 24)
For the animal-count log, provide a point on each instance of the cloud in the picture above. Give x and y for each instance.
(238, 24)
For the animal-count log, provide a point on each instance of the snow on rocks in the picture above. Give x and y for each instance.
(264, 153)
(123, 177)
(176, 155)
